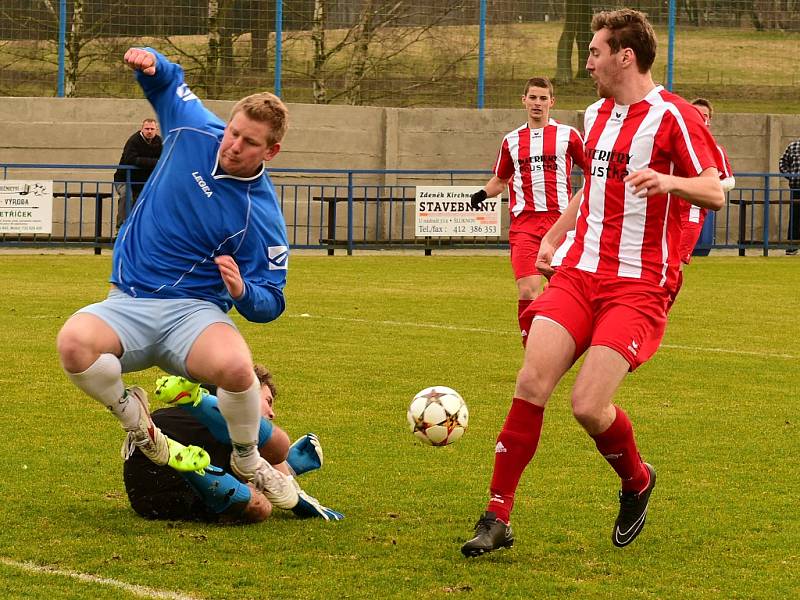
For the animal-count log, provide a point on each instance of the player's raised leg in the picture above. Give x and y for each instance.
(549, 354)
(89, 349)
(220, 356)
(609, 426)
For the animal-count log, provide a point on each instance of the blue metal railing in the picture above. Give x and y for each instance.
(367, 208)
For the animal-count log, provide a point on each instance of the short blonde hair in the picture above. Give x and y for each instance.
(266, 108)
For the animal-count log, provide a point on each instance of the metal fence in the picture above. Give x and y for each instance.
(375, 209)
(453, 53)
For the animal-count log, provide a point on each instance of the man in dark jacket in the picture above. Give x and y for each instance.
(142, 150)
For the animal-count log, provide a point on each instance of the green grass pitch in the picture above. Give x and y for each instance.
(716, 411)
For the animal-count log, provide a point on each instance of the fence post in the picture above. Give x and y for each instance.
(98, 220)
(62, 40)
(278, 45)
(766, 216)
(481, 52)
(670, 43)
(349, 213)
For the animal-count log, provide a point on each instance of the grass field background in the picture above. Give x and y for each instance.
(716, 412)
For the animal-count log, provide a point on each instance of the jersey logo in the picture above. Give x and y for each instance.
(184, 93)
(201, 183)
(278, 257)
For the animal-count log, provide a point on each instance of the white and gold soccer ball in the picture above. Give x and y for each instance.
(438, 415)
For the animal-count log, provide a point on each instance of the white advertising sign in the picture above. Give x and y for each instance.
(445, 211)
(26, 206)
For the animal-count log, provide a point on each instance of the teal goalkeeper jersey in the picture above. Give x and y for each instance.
(191, 211)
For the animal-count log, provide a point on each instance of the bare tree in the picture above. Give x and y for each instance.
(84, 44)
(379, 40)
(577, 30)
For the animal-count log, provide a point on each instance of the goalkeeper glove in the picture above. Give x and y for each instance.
(305, 454)
(309, 507)
(477, 198)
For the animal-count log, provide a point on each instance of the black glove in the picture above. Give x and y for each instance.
(477, 198)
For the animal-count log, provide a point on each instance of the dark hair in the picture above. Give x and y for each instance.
(542, 82)
(704, 102)
(629, 29)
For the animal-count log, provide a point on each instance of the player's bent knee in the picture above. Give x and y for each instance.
(531, 386)
(235, 376)
(591, 416)
(73, 349)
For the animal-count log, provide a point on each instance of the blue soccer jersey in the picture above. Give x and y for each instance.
(191, 211)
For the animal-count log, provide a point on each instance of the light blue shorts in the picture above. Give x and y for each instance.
(154, 331)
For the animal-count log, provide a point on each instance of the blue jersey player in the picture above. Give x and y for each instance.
(206, 234)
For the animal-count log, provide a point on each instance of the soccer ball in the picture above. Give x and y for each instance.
(438, 415)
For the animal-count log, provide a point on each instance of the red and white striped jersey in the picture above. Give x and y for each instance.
(617, 233)
(537, 163)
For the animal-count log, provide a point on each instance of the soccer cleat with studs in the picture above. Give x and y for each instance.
(187, 458)
(490, 534)
(145, 435)
(172, 389)
(277, 487)
(632, 512)
(155, 445)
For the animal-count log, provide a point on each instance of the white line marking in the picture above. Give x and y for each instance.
(138, 590)
(516, 334)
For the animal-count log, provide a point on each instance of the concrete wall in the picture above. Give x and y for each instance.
(93, 131)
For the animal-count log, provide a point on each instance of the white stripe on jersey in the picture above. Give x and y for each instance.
(635, 212)
(657, 100)
(538, 178)
(590, 257)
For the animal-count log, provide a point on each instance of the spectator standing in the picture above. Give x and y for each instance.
(142, 150)
(790, 163)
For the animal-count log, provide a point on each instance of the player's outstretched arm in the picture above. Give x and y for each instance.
(140, 59)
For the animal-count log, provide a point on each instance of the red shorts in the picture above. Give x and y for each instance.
(525, 238)
(690, 233)
(626, 315)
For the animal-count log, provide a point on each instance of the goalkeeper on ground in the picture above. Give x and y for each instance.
(215, 495)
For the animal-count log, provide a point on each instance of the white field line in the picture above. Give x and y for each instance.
(516, 334)
(138, 590)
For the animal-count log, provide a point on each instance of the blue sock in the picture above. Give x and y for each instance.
(207, 412)
(218, 489)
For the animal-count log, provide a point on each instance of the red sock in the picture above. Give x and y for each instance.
(524, 321)
(618, 447)
(515, 448)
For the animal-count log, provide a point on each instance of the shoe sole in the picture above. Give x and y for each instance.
(475, 552)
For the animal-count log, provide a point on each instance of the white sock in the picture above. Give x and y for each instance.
(103, 382)
(242, 412)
